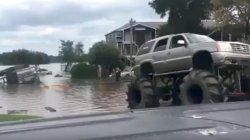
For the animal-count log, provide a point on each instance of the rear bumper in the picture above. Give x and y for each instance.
(225, 57)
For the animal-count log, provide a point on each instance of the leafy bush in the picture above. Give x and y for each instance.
(83, 71)
(107, 56)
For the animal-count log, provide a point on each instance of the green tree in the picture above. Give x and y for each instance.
(183, 15)
(79, 49)
(234, 12)
(67, 52)
(80, 56)
(105, 55)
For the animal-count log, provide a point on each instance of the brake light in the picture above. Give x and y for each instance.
(224, 47)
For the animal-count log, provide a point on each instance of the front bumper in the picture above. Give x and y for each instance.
(238, 97)
(229, 57)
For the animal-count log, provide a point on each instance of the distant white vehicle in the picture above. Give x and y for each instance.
(127, 73)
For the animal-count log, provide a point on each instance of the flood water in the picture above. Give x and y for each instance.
(67, 96)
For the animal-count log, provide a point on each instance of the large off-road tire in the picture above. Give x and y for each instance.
(141, 95)
(201, 87)
(245, 84)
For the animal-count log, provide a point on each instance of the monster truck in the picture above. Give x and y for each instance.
(189, 69)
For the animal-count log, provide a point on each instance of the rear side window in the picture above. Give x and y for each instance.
(161, 45)
(174, 42)
(145, 48)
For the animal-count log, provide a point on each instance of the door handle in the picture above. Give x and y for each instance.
(168, 53)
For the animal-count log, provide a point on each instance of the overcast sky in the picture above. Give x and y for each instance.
(39, 25)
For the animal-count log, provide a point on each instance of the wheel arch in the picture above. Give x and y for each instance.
(146, 68)
(202, 60)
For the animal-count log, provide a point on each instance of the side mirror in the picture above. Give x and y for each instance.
(181, 43)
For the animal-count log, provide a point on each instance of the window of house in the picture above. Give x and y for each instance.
(118, 35)
(109, 38)
(161, 45)
(145, 48)
(174, 42)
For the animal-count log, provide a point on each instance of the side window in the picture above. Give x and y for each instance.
(145, 48)
(178, 41)
(161, 45)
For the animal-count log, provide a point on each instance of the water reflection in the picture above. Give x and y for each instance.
(67, 96)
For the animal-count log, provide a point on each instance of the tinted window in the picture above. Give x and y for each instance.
(145, 48)
(174, 42)
(161, 45)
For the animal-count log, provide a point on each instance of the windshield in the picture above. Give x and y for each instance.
(195, 38)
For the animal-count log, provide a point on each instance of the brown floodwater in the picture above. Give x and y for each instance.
(65, 95)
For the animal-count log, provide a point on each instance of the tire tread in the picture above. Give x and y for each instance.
(209, 83)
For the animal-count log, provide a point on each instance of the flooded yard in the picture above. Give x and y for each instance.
(66, 96)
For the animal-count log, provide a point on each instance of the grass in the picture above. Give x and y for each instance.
(5, 118)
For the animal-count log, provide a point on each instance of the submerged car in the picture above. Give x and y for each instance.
(20, 74)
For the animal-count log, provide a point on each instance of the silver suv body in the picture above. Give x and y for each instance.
(175, 53)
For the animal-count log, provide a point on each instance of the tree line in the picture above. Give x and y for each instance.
(23, 56)
(231, 16)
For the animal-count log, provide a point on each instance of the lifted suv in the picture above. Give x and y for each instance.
(193, 68)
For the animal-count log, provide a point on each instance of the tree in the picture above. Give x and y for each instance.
(67, 52)
(105, 55)
(79, 49)
(233, 12)
(80, 56)
(71, 53)
(184, 15)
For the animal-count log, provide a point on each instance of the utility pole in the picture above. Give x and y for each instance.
(222, 32)
(131, 23)
(222, 36)
(230, 37)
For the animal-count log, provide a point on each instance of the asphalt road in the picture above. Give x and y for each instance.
(228, 121)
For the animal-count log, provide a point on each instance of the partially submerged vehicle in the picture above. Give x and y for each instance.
(20, 74)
